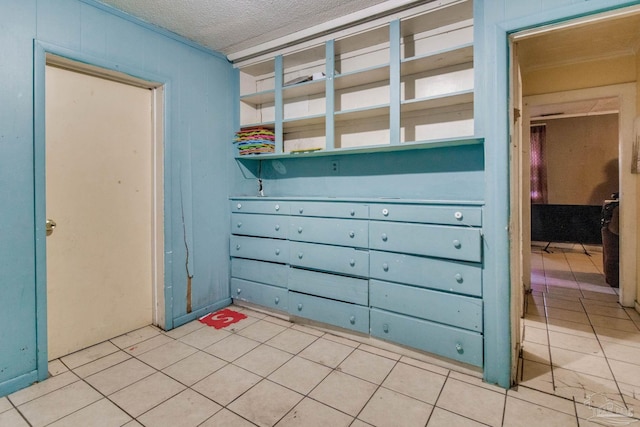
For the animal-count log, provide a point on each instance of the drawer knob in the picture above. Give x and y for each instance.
(385, 212)
(300, 255)
(352, 320)
(277, 207)
(352, 262)
(238, 291)
(301, 210)
(277, 227)
(277, 251)
(385, 266)
(239, 224)
(459, 278)
(457, 244)
(458, 215)
(352, 234)
(384, 237)
(459, 348)
(239, 205)
(237, 247)
(300, 307)
(277, 300)
(299, 229)
(353, 212)
(385, 327)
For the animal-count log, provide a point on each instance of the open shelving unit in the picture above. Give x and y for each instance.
(405, 84)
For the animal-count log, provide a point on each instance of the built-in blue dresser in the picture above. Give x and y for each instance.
(408, 272)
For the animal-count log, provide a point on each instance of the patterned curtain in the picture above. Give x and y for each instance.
(538, 165)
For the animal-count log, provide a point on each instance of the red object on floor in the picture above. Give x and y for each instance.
(223, 318)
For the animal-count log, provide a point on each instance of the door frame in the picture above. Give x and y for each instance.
(45, 54)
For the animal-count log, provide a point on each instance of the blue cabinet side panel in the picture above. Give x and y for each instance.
(17, 237)
(200, 89)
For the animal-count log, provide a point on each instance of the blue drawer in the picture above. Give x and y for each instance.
(453, 276)
(342, 314)
(275, 226)
(330, 209)
(447, 215)
(461, 243)
(259, 271)
(332, 231)
(336, 259)
(274, 207)
(454, 310)
(458, 344)
(342, 288)
(257, 293)
(258, 248)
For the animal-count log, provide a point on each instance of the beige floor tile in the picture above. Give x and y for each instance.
(469, 379)
(133, 423)
(278, 321)
(613, 323)
(192, 369)
(261, 331)
(326, 352)
(204, 337)
(344, 392)
(538, 322)
(519, 413)
(101, 364)
(300, 374)
(568, 315)
(309, 413)
(537, 376)
(89, 354)
(542, 399)
(535, 310)
(266, 403)
(56, 367)
(388, 408)
(367, 366)
(232, 347)
(102, 413)
(248, 311)
(12, 418)
(631, 396)
(185, 329)
(380, 352)
(599, 302)
(5, 405)
(600, 411)
(263, 360)
(623, 353)
(342, 340)
(424, 365)
(117, 377)
(578, 385)
(143, 395)
(535, 335)
(292, 341)
(187, 409)
(564, 304)
(150, 344)
(226, 384)
(629, 373)
(473, 402)
(442, 418)
(58, 404)
(617, 312)
(581, 362)
(226, 418)
(415, 382)
(606, 295)
(42, 388)
(235, 327)
(571, 328)
(307, 329)
(359, 423)
(581, 344)
(167, 354)
(621, 337)
(536, 352)
(135, 337)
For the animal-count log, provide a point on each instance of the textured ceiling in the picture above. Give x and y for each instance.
(229, 26)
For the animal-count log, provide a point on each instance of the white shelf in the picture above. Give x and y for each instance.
(264, 97)
(462, 97)
(363, 113)
(362, 77)
(453, 56)
(312, 87)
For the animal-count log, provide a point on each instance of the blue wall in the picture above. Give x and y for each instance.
(200, 95)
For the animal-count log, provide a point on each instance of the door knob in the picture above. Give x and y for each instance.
(50, 225)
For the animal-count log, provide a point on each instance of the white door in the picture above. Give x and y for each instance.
(99, 166)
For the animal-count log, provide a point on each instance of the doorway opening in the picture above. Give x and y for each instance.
(103, 166)
(576, 80)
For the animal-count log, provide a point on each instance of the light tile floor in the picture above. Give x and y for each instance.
(265, 371)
